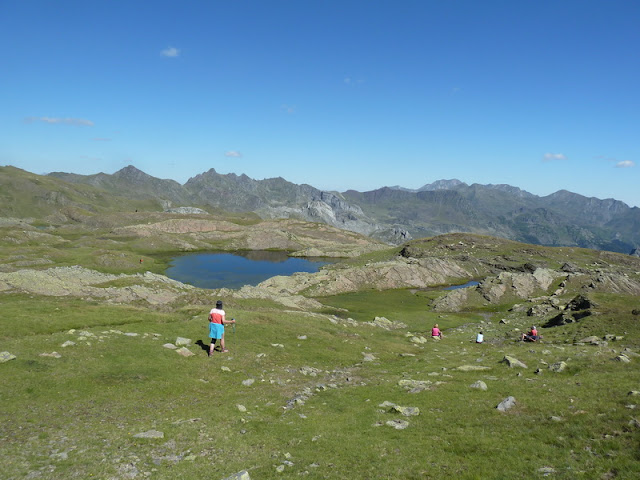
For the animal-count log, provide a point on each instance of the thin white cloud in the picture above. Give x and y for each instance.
(548, 157)
(170, 52)
(81, 122)
(233, 154)
(625, 164)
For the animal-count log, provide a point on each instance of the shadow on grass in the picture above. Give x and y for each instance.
(203, 345)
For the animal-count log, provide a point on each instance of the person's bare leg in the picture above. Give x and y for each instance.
(212, 346)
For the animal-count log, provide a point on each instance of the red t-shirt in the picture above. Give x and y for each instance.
(534, 332)
(216, 315)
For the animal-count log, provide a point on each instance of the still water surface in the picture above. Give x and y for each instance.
(218, 270)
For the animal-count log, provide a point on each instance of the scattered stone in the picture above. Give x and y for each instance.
(629, 353)
(241, 408)
(52, 354)
(513, 362)
(185, 352)
(225, 369)
(622, 358)
(479, 385)
(418, 339)
(407, 355)
(183, 342)
(415, 386)
(131, 334)
(472, 368)
(170, 346)
(546, 471)
(150, 434)
(309, 371)
(558, 367)
(506, 404)
(398, 424)
(406, 411)
(634, 393)
(280, 468)
(6, 356)
(278, 345)
(554, 418)
(387, 324)
(68, 343)
(368, 357)
(302, 337)
(634, 423)
(248, 382)
(580, 302)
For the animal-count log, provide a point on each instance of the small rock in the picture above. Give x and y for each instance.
(556, 419)
(406, 411)
(225, 369)
(506, 404)
(302, 337)
(623, 358)
(241, 408)
(479, 385)
(185, 352)
(368, 357)
(183, 342)
(243, 475)
(6, 356)
(68, 343)
(558, 367)
(513, 362)
(398, 424)
(170, 346)
(248, 382)
(52, 354)
(150, 434)
(546, 470)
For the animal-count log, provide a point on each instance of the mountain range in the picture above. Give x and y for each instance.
(391, 214)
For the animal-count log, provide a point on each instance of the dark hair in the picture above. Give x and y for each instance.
(219, 304)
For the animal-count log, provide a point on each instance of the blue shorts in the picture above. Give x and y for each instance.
(216, 330)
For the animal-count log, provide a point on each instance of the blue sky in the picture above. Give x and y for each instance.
(542, 95)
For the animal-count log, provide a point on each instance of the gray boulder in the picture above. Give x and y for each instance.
(506, 404)
(243, 475)
(480, 385)
(513, 362)
(558, 367)
(6, 356)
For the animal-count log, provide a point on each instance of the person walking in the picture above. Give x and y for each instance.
(217, 321)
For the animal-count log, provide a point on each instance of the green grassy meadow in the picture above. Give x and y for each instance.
(77, 416)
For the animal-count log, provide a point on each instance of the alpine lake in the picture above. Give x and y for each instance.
(234, 270)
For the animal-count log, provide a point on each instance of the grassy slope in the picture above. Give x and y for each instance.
(76, 416)
(88, 404)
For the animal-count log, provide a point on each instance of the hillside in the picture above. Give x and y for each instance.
(393, 215)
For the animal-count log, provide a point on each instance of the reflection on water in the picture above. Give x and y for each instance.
(218, 270)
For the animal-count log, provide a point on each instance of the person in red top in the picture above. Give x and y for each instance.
(530, 336)
(217, 321)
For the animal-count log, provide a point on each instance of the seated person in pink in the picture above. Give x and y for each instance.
(435, 332)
